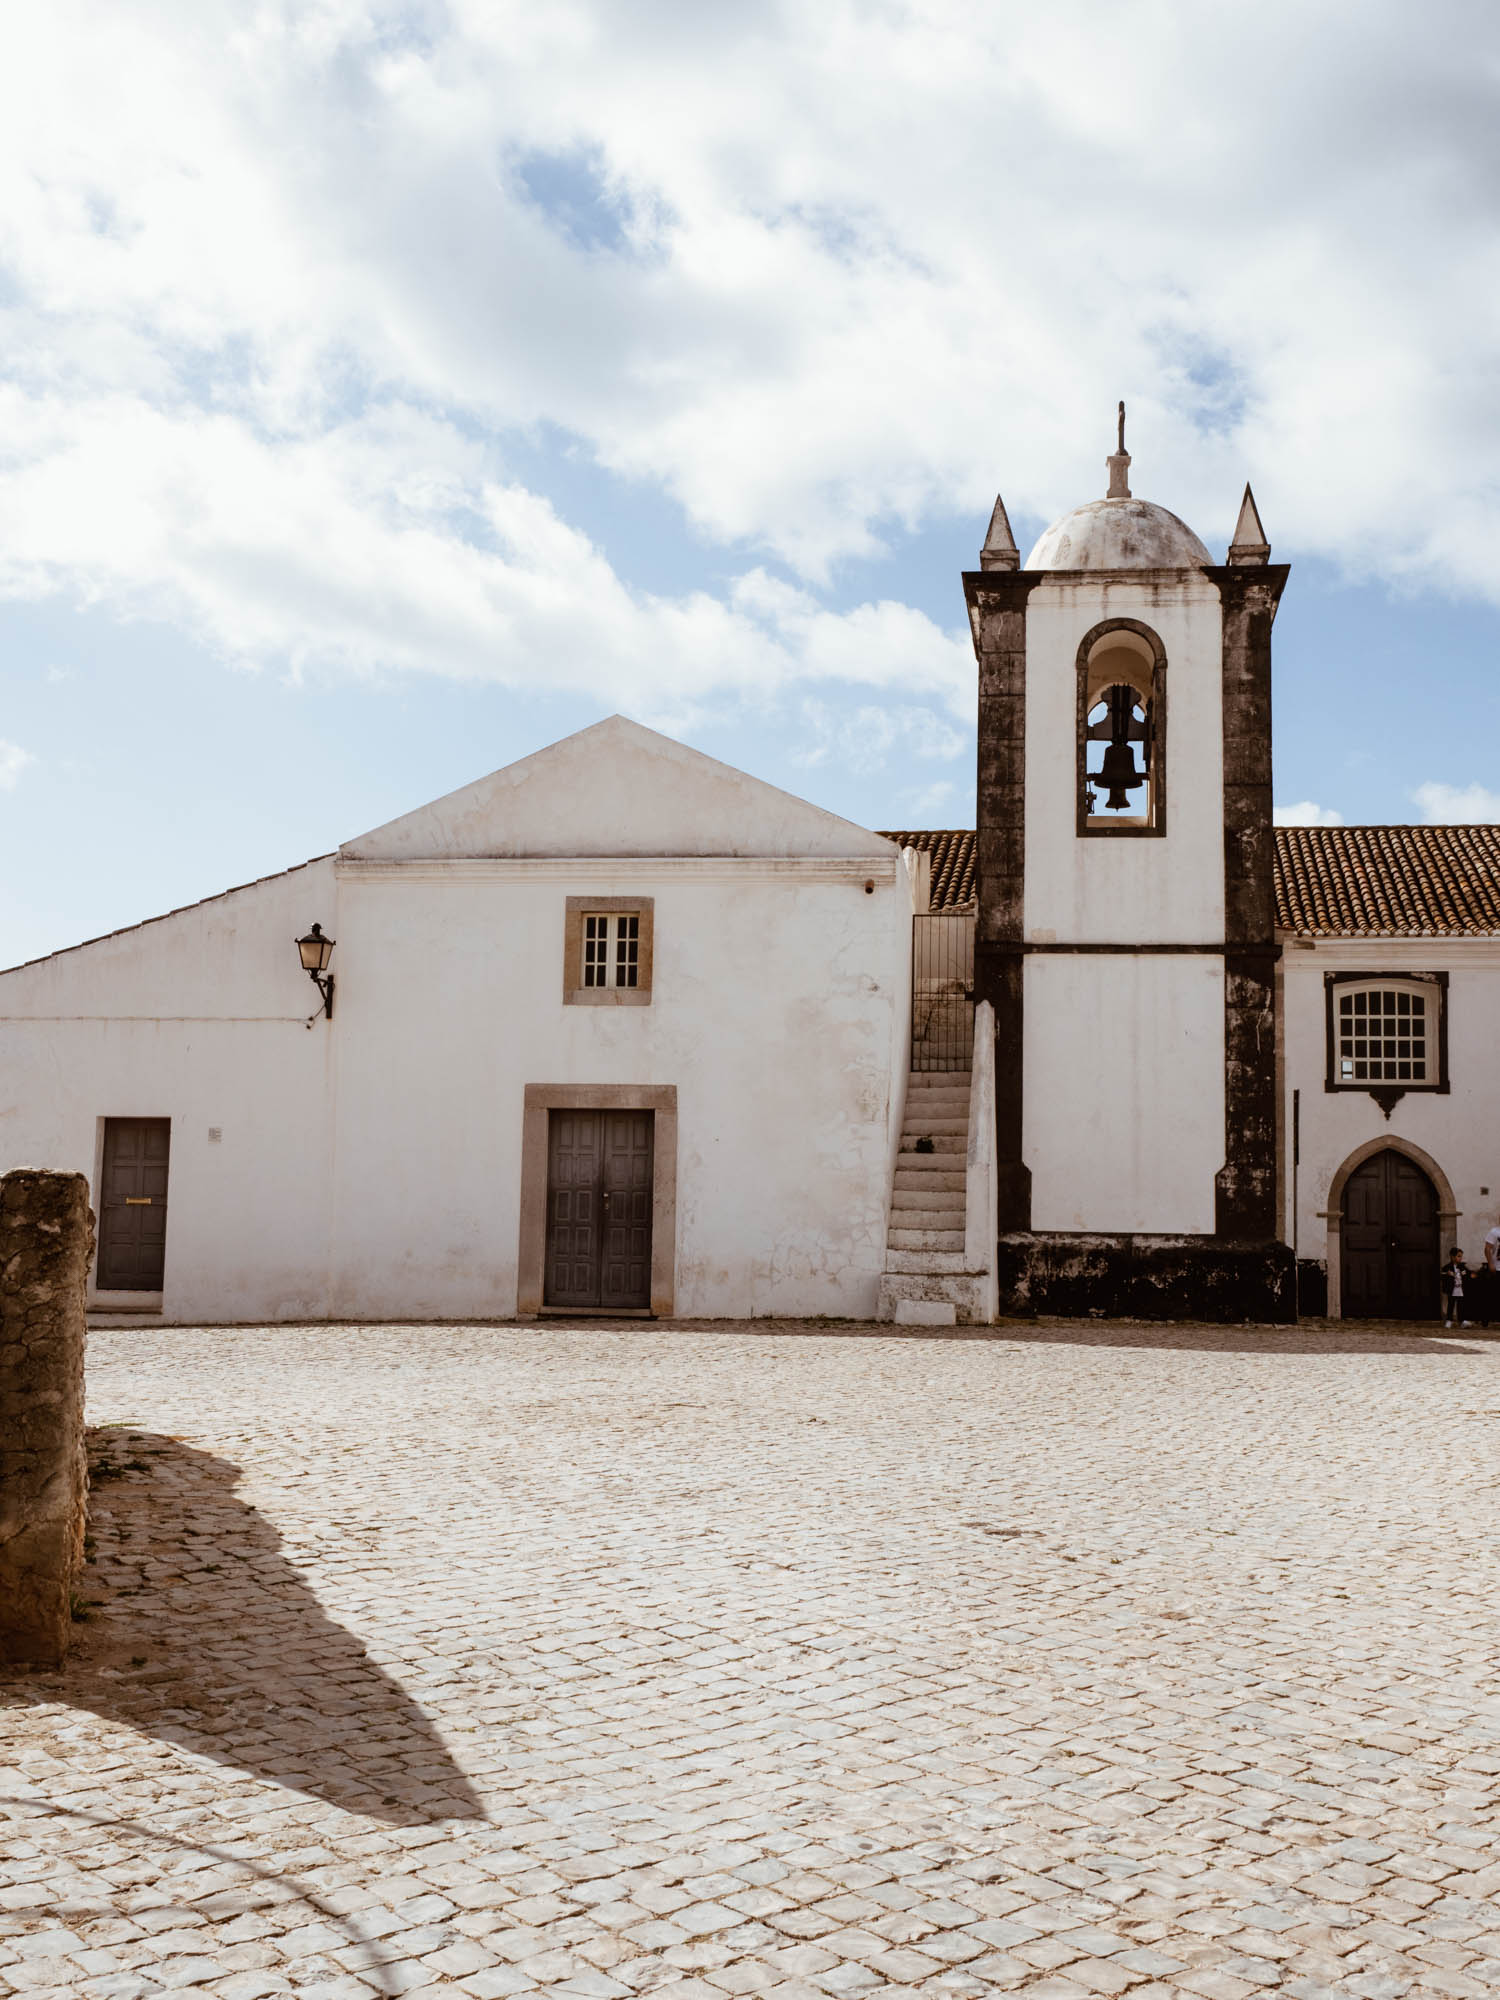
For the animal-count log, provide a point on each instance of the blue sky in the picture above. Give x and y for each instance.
(385, 391)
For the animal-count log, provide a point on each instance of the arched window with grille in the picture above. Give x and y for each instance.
(1387, 1033)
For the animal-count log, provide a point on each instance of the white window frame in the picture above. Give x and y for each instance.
(1430, 997)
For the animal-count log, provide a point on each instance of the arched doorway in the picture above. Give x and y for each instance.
(1390, 1249)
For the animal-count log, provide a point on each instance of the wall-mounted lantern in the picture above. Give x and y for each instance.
(315, 950)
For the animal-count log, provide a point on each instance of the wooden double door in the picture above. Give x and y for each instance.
(133, 1204)
(1389, 1241)
(599, 1183)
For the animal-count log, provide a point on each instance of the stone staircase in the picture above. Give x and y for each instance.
(927, 1280)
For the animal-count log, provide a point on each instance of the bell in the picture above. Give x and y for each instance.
(1120, 775)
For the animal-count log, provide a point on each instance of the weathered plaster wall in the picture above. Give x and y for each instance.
(1457, 1131)
(200, 1018)
(616, 788)
(778, 1011)
(1167, 889)
(45, 1244)
(371, 1165)
(1124, 1091)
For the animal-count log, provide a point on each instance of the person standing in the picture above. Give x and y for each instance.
(1488, 1301)
(1456, 1274)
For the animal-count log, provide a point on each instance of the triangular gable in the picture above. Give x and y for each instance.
(614, 788)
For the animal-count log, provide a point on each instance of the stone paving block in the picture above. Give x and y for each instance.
(515, 1647)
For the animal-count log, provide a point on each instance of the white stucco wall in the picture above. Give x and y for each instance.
(1123, 1100)
(778, 1011)
(1168, 890)
(199, 1017)
(370, 1166)
(1458, 1132)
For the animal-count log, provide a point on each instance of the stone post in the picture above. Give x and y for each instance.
(46, 1241)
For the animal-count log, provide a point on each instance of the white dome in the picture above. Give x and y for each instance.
(1118, 534)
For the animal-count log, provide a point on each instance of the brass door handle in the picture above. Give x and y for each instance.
(138, 1201)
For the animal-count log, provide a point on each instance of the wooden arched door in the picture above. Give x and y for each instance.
(1389, 1240)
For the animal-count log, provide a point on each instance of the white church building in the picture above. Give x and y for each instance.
(619, 1030)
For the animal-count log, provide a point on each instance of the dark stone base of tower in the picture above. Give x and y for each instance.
(1147, 1277)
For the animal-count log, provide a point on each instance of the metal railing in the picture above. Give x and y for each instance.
(942, 993)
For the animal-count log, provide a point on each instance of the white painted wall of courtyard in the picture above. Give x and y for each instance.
(370, 1166)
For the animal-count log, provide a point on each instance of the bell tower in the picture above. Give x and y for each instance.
(1125, 931)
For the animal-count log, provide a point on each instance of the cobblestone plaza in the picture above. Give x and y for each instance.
(721, 1661)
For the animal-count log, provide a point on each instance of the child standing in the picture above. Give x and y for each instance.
(1454, 1273)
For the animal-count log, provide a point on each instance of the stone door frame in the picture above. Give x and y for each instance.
(1448, 1210)
(531, 1259)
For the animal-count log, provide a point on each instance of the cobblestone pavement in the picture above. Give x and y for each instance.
(715, 1662)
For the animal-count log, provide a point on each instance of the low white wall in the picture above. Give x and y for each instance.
(981, 1180)
(1123, 1107)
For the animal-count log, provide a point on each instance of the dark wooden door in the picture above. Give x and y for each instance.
(133, 1204)
(1389, 1241)
(599, 1209)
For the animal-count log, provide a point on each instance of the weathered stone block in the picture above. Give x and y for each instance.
(46, 1241)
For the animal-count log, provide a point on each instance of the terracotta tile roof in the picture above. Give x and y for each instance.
(1331, 881)
(952, 865)
(1388, 881)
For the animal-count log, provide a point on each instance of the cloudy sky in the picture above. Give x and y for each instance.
(386, 390)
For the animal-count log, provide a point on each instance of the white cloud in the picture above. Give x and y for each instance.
(1457, 805)
(865, 738)
(13, 761)
(273, 310)
(924, 803)
(1305, 813)
(384, 544)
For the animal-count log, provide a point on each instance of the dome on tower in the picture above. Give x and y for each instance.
(1119, 534)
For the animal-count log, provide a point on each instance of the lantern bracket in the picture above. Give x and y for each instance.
(315, 951)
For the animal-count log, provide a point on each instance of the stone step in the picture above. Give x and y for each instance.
(925, 1173)
(925, 1239)
(945, 1145)
(924, 1312)
(924, 1263)
(927, 1298)
(940, 1079)
(933, 1122)
(924, 1201)
(938, 1103)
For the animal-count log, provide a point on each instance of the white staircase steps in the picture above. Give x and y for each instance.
(927, 1279)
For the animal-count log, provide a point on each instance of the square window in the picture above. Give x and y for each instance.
(607, 951)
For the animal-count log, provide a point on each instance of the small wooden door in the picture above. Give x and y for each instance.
(599, 1209)
(133, 1204)
(1389, 1241)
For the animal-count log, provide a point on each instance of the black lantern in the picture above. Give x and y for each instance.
(315, 950)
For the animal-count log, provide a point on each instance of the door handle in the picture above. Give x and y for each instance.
(138, 1201)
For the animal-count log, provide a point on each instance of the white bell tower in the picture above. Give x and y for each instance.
(1125, 925)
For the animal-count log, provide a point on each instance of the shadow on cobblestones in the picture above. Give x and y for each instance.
(202, 1634)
